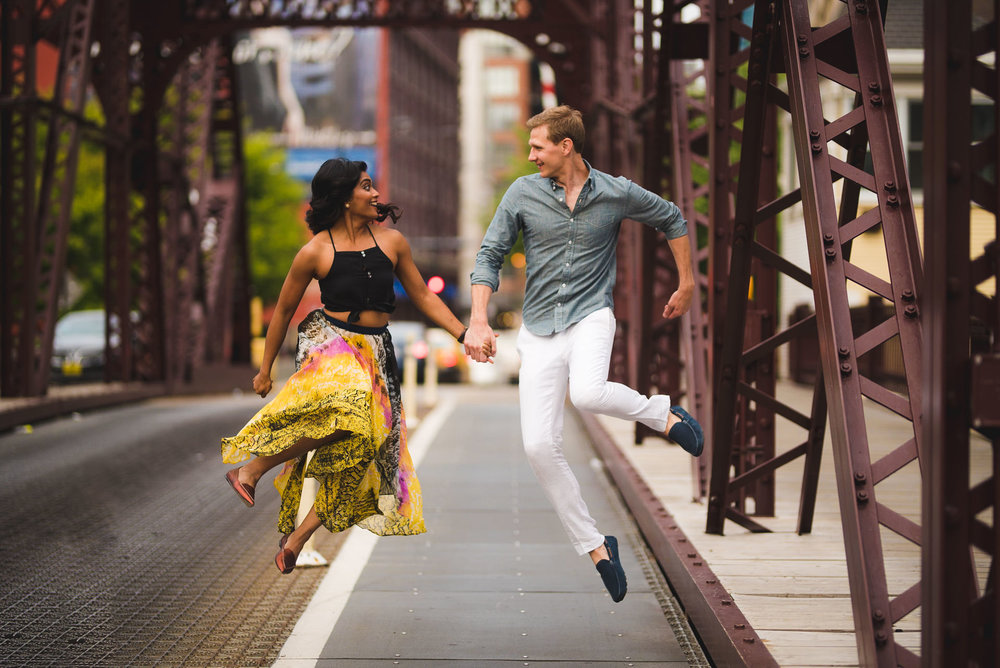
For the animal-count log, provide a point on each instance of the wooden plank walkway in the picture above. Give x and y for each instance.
(794, 589)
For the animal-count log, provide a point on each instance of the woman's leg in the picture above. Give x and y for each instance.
(251, 472)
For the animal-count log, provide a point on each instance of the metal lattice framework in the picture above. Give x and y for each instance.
(688, 107)
(961, 340)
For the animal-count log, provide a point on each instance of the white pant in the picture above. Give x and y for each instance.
(581, 353)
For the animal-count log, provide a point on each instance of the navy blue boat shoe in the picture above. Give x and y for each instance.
(612, 572)
(687, 433)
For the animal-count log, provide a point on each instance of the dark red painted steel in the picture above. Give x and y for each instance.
(961, 353)
(811, 52)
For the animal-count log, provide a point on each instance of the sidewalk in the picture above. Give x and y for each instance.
(792, 590)
(494, 581)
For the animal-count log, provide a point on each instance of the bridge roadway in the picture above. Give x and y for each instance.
(122, 545)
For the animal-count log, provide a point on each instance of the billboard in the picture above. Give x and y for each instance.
(312, 89)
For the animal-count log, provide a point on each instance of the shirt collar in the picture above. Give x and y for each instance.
(590, 179)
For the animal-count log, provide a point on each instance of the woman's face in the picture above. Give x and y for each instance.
(364, 197)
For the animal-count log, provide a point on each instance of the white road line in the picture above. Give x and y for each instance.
(314, 627)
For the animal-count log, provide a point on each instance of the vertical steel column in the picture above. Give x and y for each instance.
(18, 238)
(753, 441)
(36, 222)
(849, 52)
(961, 339)
(112, 81)
(689, 163)
(224, 209)
(58, 175)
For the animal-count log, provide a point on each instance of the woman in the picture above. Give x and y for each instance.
(343, 400)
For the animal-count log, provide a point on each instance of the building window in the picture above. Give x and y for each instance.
(503, 81)
(982, 128)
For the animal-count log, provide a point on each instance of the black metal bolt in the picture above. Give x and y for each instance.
(876, 100)
(862, 496)
(831, 255)
(890, 186)
(860, 478)
(803, 52)
(907, 295)
(814, 135)
(827, 239)
(844, 352)
(874, 87)
(846, 368)
(892, 201)
(910, 311)
(817, 148)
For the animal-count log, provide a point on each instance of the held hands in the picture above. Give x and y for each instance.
(679, 302)
(481, 343)
(262, 383)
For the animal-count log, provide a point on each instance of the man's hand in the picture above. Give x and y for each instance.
(480, 343)
(679, 302)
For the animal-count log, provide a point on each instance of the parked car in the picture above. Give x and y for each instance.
(78, 347)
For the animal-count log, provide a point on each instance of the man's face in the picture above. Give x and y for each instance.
(548, 157)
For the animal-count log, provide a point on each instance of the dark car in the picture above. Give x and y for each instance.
(78, 347)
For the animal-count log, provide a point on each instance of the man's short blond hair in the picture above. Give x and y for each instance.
(564, 122)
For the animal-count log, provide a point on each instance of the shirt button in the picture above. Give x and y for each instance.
(564, 285)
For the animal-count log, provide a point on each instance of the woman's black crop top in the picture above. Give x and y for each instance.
(358, 281)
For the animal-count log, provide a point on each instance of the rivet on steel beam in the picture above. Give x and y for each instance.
(892, 201)
(953, 285)
(874, 87)
(696, 563)
(951, 634)
(831, 255)
(739, 626)
(907, 295)
(845, 369)
(803, 52)
(817, 148)
(844, 352)
(881, 638)
(910, 311)
(876, 100)
(860, 478)
(748, 641)
(827, 239)
(801, 39)
(890, 186)
(951, 515)
(862, 496)
(726, 602)
(860, 8)
(814, 135)
(954, 172)
(692, 555)
(878, 615)
(711, 582)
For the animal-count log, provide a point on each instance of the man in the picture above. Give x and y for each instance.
(570, 214)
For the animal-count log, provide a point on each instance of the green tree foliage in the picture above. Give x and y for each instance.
(275, 215)
(274, 202)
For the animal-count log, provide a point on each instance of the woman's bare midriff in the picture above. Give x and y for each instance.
(368, 318)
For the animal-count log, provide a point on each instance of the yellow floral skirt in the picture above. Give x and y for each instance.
(346, 379)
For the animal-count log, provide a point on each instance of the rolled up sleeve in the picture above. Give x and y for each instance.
(499, 239)
(650, 209)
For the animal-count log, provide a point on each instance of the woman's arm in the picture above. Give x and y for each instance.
(299, 275)
(429, 303)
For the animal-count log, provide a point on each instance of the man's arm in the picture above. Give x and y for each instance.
(680, 301)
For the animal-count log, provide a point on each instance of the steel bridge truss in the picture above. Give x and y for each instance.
(687, 106)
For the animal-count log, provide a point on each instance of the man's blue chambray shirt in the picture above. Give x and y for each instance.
(570, 254)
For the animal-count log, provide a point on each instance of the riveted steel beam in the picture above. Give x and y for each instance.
(961, 338)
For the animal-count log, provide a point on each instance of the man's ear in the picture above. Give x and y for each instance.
(566, 145)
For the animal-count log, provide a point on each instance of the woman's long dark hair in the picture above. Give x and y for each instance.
(332, 187)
